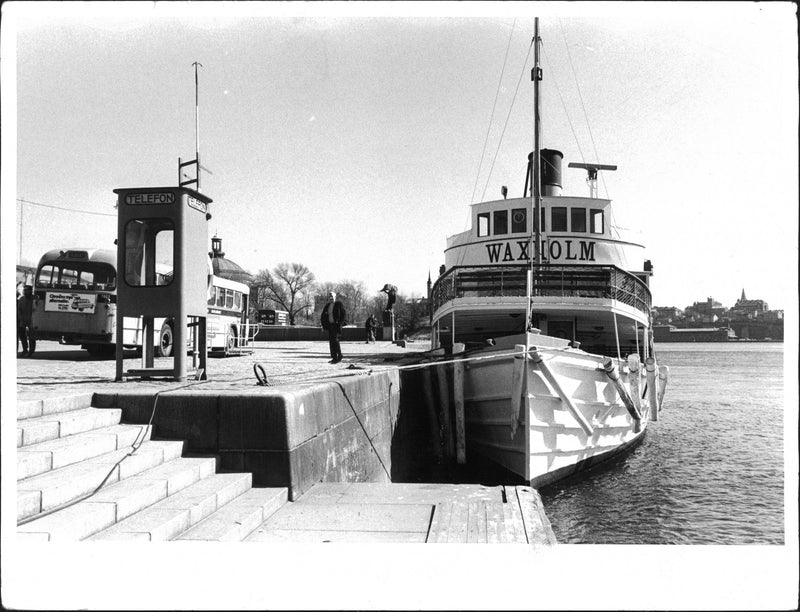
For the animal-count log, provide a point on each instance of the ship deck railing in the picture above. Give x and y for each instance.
(601, 282)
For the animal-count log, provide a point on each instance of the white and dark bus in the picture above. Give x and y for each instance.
(76, 304)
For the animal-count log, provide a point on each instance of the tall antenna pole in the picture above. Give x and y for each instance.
(197, 122)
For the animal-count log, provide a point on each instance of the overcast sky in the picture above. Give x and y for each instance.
(350, 139)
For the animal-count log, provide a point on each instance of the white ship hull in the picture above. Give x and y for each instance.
(539, 437)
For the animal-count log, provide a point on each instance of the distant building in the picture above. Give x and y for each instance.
(749, 308)
(666, 314)
(708, 308)
(225, 268)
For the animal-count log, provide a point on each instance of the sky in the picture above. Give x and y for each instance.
(354, 139)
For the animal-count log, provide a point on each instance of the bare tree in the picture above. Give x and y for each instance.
(354, 294)
(286, 286)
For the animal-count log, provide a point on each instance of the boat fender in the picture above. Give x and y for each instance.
(663, 377)
(635, 380)
(613, 374)
(650, 366)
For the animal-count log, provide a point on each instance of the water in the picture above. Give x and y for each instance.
(710, 471)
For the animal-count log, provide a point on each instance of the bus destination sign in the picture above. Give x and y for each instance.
(165, 197)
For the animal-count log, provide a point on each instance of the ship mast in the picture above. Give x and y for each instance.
(536, 180)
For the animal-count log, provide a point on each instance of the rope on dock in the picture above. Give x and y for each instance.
(357, 370)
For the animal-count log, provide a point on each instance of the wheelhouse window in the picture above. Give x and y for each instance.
(500, 222)
(558, 218)
(519, 220)
(596, 221)
(142, 236)
(578, 219)
(483, 224)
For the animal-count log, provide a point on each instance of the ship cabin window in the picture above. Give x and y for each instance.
(483, 224)
(500, 222)
(578, 216)
(519, 220)
(596, 221)
(558, 219)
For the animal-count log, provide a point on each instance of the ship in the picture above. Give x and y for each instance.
(544, 306)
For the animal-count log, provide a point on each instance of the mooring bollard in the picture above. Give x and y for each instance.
(537, 359)
(458, 400)
(650, 366)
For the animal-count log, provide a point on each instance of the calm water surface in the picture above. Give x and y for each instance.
(710, 471)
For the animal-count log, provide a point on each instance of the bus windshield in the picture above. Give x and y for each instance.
(94, 276)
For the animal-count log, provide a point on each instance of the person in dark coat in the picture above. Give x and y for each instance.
(333, 319)
(25, 322)
(370, 324)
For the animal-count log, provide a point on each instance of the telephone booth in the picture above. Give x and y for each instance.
(163, 273)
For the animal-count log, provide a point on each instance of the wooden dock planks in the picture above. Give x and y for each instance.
(411, 512)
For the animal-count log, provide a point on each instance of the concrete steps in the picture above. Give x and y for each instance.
(66, 449)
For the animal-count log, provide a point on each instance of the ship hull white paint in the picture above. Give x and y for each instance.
(548, 442)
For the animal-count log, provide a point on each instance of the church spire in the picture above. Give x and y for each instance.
(744, 297)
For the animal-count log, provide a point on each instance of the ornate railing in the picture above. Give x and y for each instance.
(605, 282)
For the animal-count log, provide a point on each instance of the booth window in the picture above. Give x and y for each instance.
(519, 220)
(149, 252)
(558, 218)
(500, 222)
(483, 224)
(596, 221)
(578, 219)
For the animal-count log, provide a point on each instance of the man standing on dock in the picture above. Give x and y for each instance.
(25, 333)
(333, 319)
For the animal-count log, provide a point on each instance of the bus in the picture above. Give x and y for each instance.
(76, 304)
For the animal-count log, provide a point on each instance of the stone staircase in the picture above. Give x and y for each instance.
(66, 448)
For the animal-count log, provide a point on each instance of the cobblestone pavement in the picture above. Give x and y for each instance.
(56, 370)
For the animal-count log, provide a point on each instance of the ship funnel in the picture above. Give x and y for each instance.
(551, 172)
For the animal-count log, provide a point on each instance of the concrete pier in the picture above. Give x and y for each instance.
(325, 453)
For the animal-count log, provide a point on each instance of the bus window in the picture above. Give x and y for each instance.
(212, 296)
(45, 278)
(67, 278)
(229, 299)
(86, 279)
(237, 300)
(220, 297)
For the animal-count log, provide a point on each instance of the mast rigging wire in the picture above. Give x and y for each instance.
(505, 125)
(491, 117)
(580, 97)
